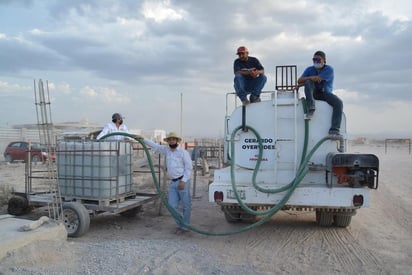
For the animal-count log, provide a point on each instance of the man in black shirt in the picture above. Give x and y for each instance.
(249, 76)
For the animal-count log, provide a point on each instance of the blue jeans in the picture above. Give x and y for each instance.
(244, 86)
(312, 93)
(176, 195)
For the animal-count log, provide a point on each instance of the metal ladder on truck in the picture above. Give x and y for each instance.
(286, 83)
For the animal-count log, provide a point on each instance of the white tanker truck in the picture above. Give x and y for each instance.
(280, 161)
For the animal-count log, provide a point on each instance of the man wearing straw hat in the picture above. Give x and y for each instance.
(179, 169)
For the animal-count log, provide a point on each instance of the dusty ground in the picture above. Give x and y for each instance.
(378, 241)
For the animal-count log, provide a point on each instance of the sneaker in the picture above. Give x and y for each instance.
(254, 99)
(245, 101)
(310, 114)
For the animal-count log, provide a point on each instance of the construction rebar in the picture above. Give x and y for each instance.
(48, 141)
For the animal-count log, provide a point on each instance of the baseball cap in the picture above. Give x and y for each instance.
(117, 116)
(320, 53)
(242, 49)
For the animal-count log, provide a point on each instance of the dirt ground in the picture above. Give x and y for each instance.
(378, 240)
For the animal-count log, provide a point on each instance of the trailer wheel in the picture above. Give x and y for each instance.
(18, 205)
(76, 219)
(324, 218)
(131, 212)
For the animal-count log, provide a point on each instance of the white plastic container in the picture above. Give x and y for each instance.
(94, 170)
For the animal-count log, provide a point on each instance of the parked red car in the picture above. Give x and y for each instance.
(18, 150)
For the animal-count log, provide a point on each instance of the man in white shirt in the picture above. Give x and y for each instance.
(179, 168)
(116, 125)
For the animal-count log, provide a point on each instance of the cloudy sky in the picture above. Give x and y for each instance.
(145, 58)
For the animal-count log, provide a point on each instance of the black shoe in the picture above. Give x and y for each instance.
(254, 99)
(310, 114)
(245, 101)
(334, 132)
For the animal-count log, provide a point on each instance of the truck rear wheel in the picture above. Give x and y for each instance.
(324, 218)
(237, 215)
(232, 216)
(343, 219)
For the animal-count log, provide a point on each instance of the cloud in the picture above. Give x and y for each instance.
(7, 88)
(60, 88)
(103, 94)
(137, 57)
(161, 11)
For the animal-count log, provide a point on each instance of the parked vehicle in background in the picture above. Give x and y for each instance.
(18, 151)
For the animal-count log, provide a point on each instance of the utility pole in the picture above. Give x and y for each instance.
(181, 115)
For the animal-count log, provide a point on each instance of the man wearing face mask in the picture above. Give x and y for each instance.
(116, 125)
(318, 82)
(179, 169)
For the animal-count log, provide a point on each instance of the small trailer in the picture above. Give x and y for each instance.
(93, 177)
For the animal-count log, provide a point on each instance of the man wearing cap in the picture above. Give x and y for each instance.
(318, 82)
(249, 76)
(179, 169)
(116, 125)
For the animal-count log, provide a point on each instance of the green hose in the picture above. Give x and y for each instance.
(302, 171)
(259, 159)
(268, 214)
(165, 202)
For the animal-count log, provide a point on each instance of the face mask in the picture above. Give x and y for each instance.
(121, 122)
(317, 65)
(173, 146)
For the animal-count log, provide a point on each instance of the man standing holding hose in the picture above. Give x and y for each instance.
(179, 169)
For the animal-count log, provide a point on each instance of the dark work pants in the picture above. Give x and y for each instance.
(312, 93)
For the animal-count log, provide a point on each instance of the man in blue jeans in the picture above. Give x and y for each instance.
(179, 168)
(249, 76)
(318, 82)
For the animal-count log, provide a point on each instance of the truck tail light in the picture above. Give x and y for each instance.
(218, 196)
(358, 200)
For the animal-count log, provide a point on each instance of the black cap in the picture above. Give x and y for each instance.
(117, 116)
(320, 53)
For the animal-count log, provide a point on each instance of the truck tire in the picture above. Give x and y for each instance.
(248, 218)
(324, 218)
(76, 219)
(343, 219)
(232, 217)
(18, 205)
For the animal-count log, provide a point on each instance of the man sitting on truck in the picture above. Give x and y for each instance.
(249, 76)
(318, 82)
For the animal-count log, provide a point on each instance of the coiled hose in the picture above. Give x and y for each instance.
(268, 213)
